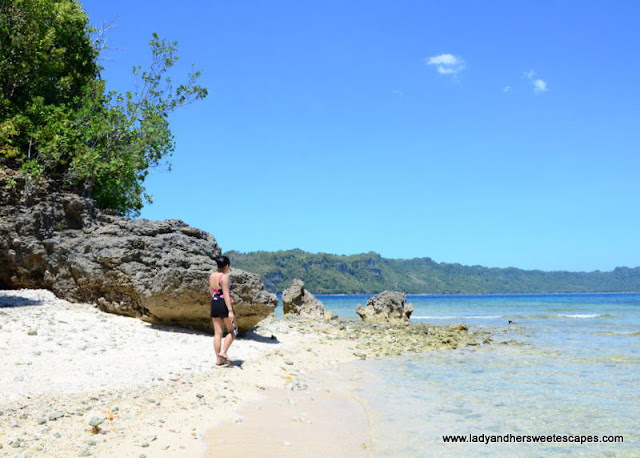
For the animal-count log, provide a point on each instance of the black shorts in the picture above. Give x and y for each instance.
(218, 307)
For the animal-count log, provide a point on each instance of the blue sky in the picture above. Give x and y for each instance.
(498, 133)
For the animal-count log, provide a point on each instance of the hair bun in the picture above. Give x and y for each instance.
(222, 261)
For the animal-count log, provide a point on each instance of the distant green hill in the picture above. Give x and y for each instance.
(370, 273)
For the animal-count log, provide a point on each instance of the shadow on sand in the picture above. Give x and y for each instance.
(179, 329)
(17, 301)
(237, 364)
(244, 335)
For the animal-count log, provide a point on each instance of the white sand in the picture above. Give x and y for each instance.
(323, 420)
(156, 390)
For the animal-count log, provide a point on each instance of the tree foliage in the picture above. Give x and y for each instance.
(370, 273)
(58, 121)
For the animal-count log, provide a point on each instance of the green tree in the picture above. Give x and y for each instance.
(127, 134)
(46, 61)
(58, 121)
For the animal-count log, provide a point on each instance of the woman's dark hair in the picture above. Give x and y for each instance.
(222, 261)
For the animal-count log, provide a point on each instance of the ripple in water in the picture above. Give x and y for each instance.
(575, 374)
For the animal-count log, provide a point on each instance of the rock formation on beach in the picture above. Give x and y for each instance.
(154, 270)
(386, 307)
(296, 300)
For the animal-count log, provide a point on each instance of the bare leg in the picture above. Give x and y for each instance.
(217, 339)
(230, 337)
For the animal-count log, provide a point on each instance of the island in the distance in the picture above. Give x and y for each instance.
(370, 273)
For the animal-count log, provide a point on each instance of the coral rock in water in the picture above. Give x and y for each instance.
(387, 307)
(298, 301)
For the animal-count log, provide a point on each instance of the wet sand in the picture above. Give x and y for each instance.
(317, 422)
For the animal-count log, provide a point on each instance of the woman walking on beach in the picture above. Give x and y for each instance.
(222, 310)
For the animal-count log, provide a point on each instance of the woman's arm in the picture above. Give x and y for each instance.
(224, 281)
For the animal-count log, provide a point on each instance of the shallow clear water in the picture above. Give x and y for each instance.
(572, 368)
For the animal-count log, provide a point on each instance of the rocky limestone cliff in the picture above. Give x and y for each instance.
(386, 307)
(154, 270)
(296, 300)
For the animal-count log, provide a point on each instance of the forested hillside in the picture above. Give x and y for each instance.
(371, 273)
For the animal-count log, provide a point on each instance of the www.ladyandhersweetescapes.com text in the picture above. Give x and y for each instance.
(525, 438)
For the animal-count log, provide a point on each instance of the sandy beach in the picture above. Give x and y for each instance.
(80, 382)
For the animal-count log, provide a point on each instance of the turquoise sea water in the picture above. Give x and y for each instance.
(572, 368)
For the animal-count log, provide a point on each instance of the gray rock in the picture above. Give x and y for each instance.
(301, 419)
(96, 421)
(386, 307)
(56, 416)
(296, 300)
(154, 270)
(252, 302)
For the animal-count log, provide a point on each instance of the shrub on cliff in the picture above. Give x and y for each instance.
(58, 121)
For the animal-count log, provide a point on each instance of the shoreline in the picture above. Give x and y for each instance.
(326, 418)
(79, 381)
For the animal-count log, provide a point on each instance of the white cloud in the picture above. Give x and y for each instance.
(507, 89)
(447, 64)
(539, 85)
(444, 59)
